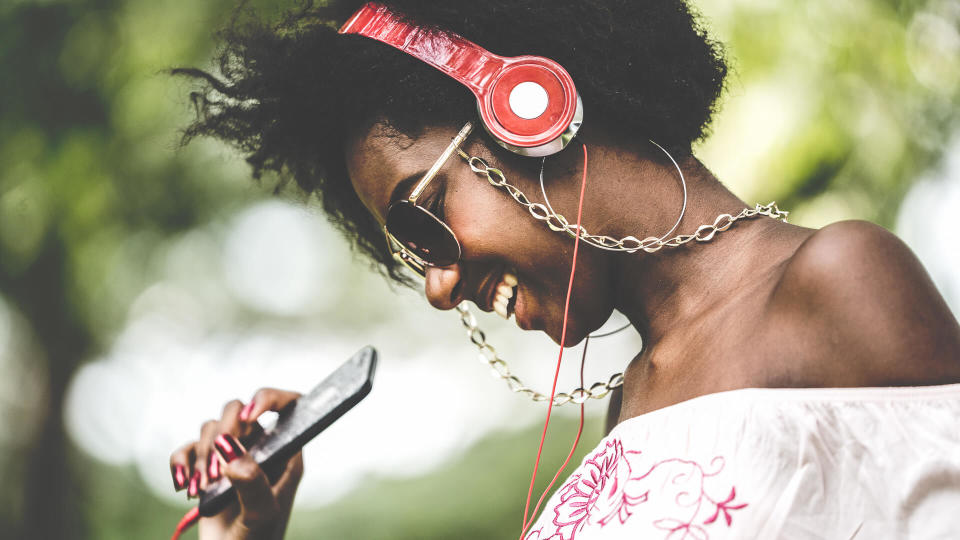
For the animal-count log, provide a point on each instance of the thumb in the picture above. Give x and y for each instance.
(258, 505)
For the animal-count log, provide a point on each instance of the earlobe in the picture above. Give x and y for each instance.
(443, 286)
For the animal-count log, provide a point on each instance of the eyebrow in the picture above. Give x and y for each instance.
(402, 189)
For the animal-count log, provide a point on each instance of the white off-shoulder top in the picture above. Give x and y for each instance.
(792, 464)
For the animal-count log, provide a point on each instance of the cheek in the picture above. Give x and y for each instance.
(493, 228)
(489, 224)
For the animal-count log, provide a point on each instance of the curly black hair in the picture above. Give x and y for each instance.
(287, 94)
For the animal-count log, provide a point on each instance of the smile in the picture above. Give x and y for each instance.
(504, 299)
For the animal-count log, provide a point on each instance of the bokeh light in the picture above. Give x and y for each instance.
(23, 390)
(274, 257)
(933, 46)
(927, 223)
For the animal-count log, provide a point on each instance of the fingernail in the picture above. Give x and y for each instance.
(179, 477)
(228, 447)
(194, 485)
(245, 412)
(213, 469)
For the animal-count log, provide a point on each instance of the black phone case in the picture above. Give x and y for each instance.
(301, 421)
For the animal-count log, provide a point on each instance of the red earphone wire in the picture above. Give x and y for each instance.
(189, 519)
(573, 448)
(556, 375)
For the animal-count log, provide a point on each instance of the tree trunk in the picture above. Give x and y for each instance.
(51, 508)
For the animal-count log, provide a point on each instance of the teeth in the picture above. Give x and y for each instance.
(505, 292)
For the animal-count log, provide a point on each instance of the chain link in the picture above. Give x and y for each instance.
(500, 369)
(628, 244)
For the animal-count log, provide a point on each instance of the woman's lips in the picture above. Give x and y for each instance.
(519, 307)
(486, 292)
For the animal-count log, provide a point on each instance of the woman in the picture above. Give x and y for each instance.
(794, 383)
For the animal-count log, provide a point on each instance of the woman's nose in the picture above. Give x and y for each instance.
(443, 287)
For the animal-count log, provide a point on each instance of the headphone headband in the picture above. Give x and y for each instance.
(529, 104)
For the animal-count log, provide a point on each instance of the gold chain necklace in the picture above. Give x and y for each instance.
(629, 244)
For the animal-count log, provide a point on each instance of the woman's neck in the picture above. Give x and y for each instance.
(669, 289)
(635, 190)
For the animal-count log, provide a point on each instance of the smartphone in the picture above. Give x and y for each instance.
(299, 422)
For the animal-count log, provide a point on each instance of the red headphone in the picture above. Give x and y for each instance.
(527, 103)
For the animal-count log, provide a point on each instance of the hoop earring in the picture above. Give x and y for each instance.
(683, 185)
(683, 210)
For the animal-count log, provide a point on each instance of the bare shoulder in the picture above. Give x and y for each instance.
(855, 254)
(857, 292)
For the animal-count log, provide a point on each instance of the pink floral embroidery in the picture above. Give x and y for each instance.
(612, 483)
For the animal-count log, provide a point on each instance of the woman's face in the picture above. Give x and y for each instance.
(497, 235)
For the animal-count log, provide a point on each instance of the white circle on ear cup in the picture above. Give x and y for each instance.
(528, 100)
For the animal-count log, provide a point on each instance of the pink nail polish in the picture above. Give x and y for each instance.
(213, 470)
(245, 412)
(194, 485)
(179, 477)
(228, 447)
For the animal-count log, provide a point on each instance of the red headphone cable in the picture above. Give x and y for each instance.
(573, 448)
(188, 520)
(556, 375)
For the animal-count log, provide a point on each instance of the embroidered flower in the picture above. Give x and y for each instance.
(595, 492)
(611, 483)
(535, 534)
(725, 507)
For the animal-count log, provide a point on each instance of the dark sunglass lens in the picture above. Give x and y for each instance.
(422, 234)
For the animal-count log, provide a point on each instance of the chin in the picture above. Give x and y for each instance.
(580, 324)
(575, 333)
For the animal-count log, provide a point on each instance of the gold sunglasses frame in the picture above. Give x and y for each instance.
(400, 253)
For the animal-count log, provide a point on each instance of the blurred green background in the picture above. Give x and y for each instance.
(836, 110)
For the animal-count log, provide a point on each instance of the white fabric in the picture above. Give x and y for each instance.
(794, 464)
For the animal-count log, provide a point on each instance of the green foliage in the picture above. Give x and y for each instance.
(846, 101)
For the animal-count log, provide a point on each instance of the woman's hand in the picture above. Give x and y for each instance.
(263, 508)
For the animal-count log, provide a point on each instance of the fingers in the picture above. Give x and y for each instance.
(183, 469)
(229, 423)
(230, 418)
(258, 504)
(181, 466)
(286, 485)
(266, 399)
(284, 490)
(201, 464)
(194, 466)
(206, 461)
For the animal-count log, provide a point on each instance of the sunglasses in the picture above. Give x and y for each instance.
(415, 236)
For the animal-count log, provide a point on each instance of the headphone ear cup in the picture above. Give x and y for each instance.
(527, 100)
(532, 107)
